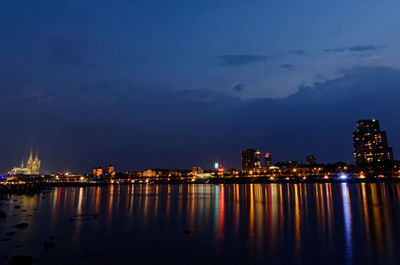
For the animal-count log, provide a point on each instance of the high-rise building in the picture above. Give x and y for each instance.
(370, 143)
(311, 160)
(251, 159)
(268, 159)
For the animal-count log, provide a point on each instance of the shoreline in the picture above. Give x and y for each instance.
(31, 189)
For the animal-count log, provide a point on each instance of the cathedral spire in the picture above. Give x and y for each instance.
(30, 157)
(22, 163)
(36, 156)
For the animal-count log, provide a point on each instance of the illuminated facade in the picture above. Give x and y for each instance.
(108, 171)
(111, 170)
(97, 171)
(268, 160)
(32, 167)
(251, 160)
(154, 173)
(370, 143)
(197, 170)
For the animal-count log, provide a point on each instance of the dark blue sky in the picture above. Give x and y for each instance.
(173, 84)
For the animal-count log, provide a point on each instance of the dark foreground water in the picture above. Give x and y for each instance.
(207, 224)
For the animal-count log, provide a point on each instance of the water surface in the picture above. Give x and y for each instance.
(207, 224)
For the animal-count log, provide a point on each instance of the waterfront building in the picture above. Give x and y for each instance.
(268, 160)
(110, 170)
(370, 143)
(97, 171)
(311, 160)
(197, 170)
(151, 173)
(289, 165)
(251, 160)
(32, 166)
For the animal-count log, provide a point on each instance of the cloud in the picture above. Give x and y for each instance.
(298, 52)
(241, 59)
(357, 48)
(353, 85)
(362, 48)
(287, 66)
(238, 87)
(330, 108)
(336, 50)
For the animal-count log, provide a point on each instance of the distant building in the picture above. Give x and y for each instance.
(311, 160)
(251, 159)
(110, 170)
(155, 173)
(32, 167)
(268, 160)
(197, 170)
(370, 143)
(97, 171)
(203, 175)
(289, 165)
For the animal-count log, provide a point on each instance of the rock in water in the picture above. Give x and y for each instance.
(49, 244)
(3, 215)
(20, 260)
(21, 225)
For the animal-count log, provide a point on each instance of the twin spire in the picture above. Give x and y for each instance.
(31, 156)
(32, 166)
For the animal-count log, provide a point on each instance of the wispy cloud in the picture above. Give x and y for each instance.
(357, 48)
(240, 59)
(362, 48)
(298, 52)
(238, 87)
(287, 66)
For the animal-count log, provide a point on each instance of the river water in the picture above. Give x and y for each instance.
(206, 224)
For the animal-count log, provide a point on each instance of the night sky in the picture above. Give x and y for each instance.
(173, 84)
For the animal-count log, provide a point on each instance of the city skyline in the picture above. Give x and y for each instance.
(370, 146)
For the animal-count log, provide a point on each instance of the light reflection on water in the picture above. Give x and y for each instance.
(208, 224)
(347, 222)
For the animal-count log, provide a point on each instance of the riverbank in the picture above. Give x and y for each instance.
(33, 188)
(29, 189)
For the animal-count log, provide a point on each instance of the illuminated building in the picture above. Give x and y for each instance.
(268, 160)
(110, 170)
(251, 160)
(32, 167)
(155, 173)
(370, 143)
(311, 160)
(97, 171)
(197, 170)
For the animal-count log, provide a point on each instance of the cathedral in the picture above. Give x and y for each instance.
(32, 167)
